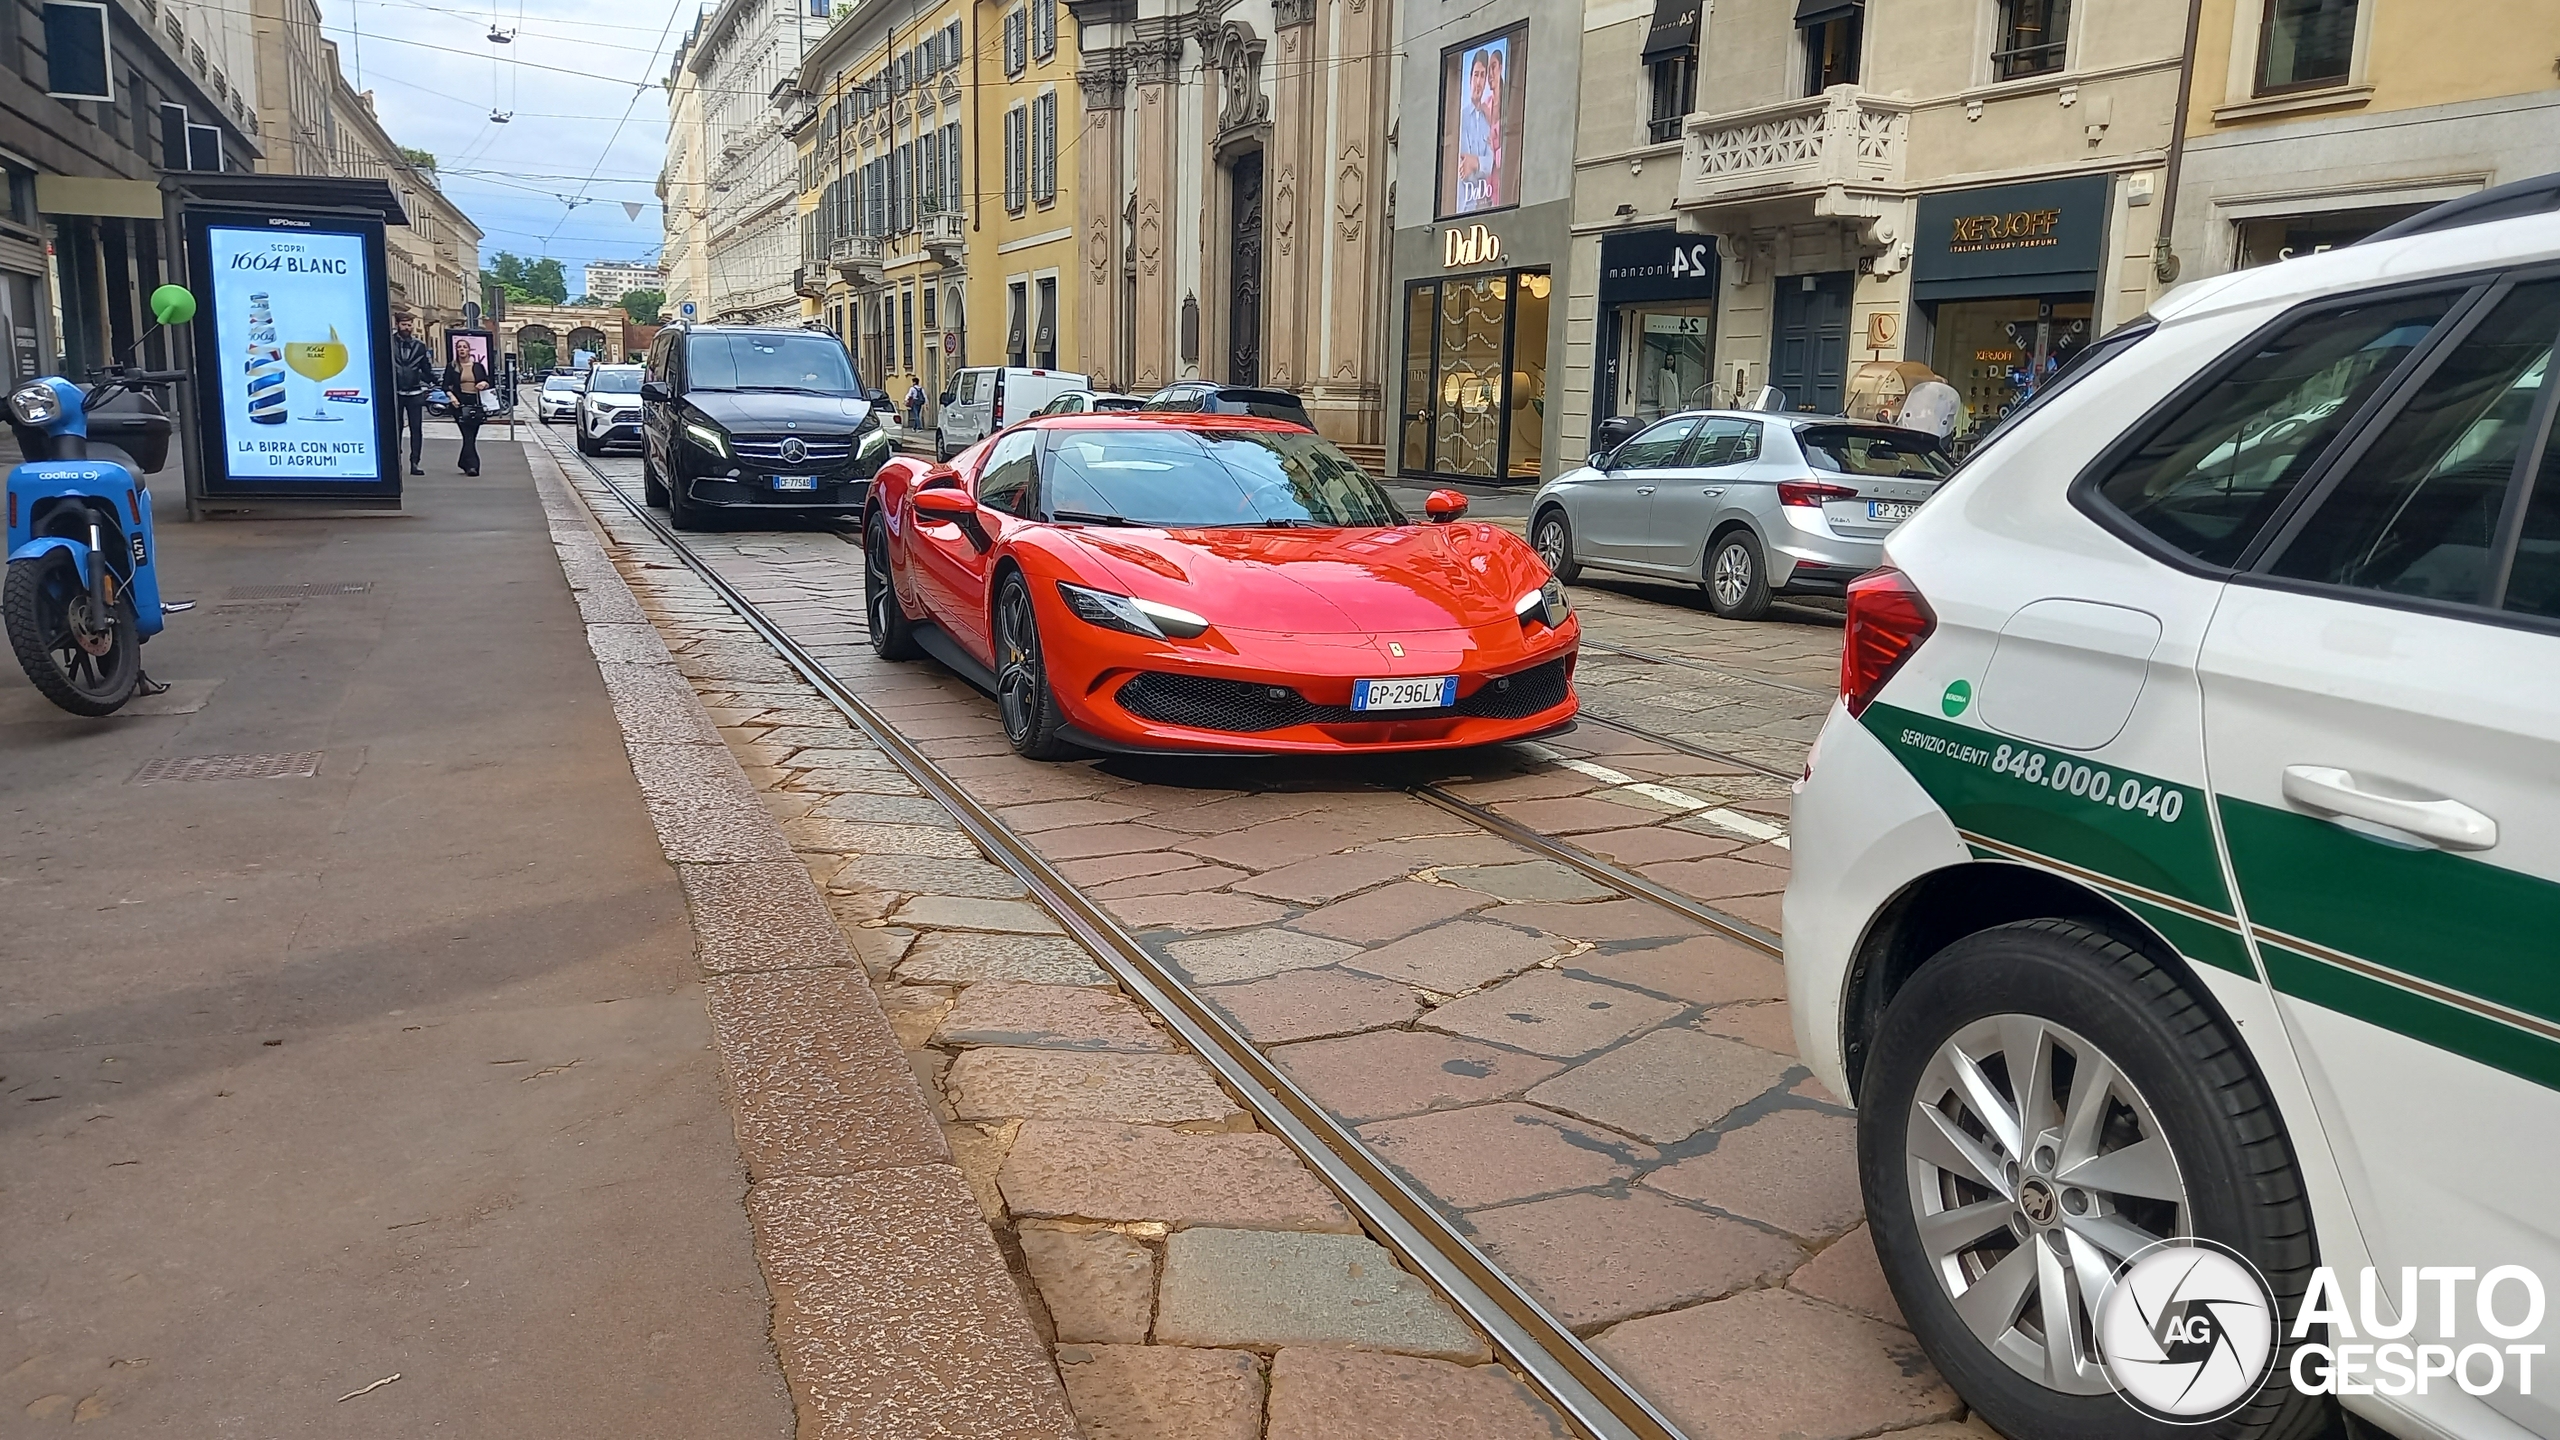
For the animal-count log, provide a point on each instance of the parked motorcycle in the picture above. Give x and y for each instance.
(82, 593)
(439, 404)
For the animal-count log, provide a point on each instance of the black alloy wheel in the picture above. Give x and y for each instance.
(1023, 698)
(893, 636)
(87, 664)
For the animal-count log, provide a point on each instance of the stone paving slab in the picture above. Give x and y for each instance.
(817, 1082)
(1099, 1286)
(1667, 1085)
(759, 916)
(962, 958)
(1493, 1154)
(1304, 1004)
(1796, 1170)
(1558, 1016)
(1062, 1017)
(1163, 1392)
(1597, 1257)
(1089, 1170)
(1323, 1394)
(992, 1083)
(1739, 1368)
(1387, 1073)
(1270, 1289)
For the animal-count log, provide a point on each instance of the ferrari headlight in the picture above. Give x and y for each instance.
(708, 438)
(1547, 605)
(35, 404)
(1130, 615)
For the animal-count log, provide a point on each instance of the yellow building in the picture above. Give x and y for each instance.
(885, 108)
(1022, 219)
(2310, 126)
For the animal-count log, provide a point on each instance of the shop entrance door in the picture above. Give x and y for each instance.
(1244, 295)
(1809, 345)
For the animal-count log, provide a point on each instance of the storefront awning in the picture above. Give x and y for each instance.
(1823, 12)
(1675, 29)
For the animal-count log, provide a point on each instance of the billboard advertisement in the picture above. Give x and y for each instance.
(293, 355)
(1480, 113)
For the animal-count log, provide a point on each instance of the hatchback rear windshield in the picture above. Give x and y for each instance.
(622, 380)
(810, 364)
(1880, 450)
(1188, 479)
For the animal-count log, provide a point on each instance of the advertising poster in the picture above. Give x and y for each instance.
(474, 343)
(1480, 115)
(293, 367)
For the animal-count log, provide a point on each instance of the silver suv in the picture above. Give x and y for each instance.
(1746, 503)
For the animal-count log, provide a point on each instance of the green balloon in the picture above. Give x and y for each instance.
(173, 305)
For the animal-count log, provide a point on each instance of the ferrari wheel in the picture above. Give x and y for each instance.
(1030, 711)
(892, 636)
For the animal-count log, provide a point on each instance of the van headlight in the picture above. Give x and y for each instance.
(875, 442)
(708, 438)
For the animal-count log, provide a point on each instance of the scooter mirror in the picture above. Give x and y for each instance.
(173, 305)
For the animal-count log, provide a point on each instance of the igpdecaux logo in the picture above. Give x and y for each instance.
(2187, 1332)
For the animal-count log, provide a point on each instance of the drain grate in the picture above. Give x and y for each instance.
(295, 592)
(298, 765)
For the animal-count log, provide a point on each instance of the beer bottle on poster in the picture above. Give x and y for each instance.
(266, 364)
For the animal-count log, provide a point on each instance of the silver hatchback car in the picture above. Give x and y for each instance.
(1746, 503)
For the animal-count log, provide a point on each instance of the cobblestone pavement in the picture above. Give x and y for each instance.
(1600, 1091)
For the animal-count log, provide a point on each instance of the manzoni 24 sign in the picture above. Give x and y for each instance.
(296, 384)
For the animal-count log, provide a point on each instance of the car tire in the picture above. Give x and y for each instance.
(1552, 538)
(585, 445)
(1025, 704)
(2041, 989)
(1737, 578)
(941, 451)
(682, 512)
(893, 635)
(653, 491)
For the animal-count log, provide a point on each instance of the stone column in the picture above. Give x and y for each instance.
(1298, 93)
(1154, 59)
(1101, 185)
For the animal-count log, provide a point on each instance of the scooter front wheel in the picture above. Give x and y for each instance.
(85, 663)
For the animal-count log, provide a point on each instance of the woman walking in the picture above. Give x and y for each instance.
(467, 380)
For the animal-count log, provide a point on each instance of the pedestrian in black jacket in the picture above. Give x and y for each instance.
(413, 373)
(466, 378)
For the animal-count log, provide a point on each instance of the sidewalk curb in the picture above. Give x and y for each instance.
(894, 1313)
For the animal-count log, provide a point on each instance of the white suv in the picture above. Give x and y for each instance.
(2183, 856)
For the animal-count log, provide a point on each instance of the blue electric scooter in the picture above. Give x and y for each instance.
(82, 593)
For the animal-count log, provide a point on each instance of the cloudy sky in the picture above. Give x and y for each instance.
(580, 83)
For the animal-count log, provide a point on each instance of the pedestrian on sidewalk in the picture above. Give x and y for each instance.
(413, 372)
(915, 401)
(468, 379)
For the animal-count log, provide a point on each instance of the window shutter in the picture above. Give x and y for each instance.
(951, 173)
(1014, 60)
(951, 45)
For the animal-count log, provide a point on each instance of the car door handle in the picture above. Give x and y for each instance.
(1644, 489)
(2329, 790)
(1712, 490)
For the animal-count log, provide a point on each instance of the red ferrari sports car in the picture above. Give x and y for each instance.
(1211, 583)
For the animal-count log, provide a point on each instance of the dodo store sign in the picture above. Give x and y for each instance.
(292, 317)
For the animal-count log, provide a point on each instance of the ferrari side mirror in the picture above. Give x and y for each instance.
(1444, 506)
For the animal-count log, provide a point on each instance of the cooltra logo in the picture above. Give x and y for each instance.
(2188, 1331)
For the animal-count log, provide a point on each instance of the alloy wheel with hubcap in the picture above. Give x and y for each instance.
(1554, 543)
(1737, 581)
(2041, 1101)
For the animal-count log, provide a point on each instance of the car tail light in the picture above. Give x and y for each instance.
(1887, 621)
(1812, 492)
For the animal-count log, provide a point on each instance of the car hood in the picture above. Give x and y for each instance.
(1405, 579)
(756, 410)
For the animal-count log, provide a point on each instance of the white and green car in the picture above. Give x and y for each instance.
(2183, 857)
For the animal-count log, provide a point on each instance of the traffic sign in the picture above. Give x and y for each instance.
(685, 309)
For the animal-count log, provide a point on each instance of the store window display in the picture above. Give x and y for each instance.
(1998, 353)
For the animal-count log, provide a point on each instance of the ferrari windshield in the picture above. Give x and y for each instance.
(1170, 478)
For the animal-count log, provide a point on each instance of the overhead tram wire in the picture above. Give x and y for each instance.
(607, 152)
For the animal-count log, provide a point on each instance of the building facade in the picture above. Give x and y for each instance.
(1232, 168)
(1969, 186)
(684, 188)
(84, 137)
(1022, 228)
(886, 181)
(609, 280)
(1483, 237)
(745, 62)
(2310, 126)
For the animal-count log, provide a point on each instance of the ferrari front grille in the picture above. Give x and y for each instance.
(1203, 702)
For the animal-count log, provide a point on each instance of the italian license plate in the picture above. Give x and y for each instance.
(795, 482)
(1891, 509)
(1426, 693)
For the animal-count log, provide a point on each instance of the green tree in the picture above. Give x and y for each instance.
(644, 306)
(536, 355)
(423, 159)
(546, 280)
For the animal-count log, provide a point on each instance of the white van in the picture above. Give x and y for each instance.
(985, 399)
